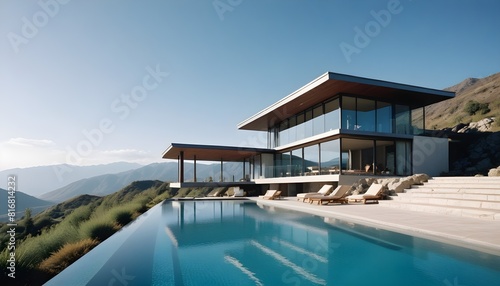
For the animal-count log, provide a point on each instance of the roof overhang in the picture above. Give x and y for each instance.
(212, 152)
(330, 84)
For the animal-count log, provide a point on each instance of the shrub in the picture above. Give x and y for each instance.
(80, 215)
(66, 255)
(122, 216)
(472, 107)
(99, 228)
(32, 250)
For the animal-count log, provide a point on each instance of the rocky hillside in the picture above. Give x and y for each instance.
(484, 94)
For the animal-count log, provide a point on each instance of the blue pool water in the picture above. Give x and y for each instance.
(241, 243)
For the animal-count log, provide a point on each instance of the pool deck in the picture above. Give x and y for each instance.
(478, 234)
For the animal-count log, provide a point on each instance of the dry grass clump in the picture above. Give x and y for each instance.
(66, 255)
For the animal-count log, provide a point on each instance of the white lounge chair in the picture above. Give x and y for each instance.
(270, 195)
(372, 194)
(337, 196)
(322, 192)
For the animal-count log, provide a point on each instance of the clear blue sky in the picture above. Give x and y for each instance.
(198, 68)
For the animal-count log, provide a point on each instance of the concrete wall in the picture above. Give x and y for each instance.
(430, 155)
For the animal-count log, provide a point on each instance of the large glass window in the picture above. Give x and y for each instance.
(284, 133)
(256, 167)
(365, 115)
(297, 167)
(402, 119)
(359, 155)
(292, 130)
(403, 158)
(246, 167)
(330, 157)
(311, 160)
(309, 123)
(384, 117)
(284, 168)
(318, 120)
(332, 115)
(301, 128)
(384, 161)
(348, 112)
(417, 120)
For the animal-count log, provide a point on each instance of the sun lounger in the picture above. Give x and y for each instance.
(322, 192)
(271, 195)
(337, 196)
(372, 194)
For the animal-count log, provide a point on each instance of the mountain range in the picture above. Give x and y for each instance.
(38, 180)
(22, 202)
(109, 183)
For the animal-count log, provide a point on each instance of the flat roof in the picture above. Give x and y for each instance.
(331, 84)
(212, 152)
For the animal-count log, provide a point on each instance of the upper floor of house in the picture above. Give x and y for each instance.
(336, 103)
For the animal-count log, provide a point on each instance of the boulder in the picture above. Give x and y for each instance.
(495, 172)
(400, 186)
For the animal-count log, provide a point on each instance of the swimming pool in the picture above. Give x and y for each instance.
(220, 242)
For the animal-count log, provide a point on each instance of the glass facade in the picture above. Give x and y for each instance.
(402, 117)
(384, 117)
(330, 157)
(347, 155)
(365, 109)
(332, 115)
(350, 113)
(417, 120)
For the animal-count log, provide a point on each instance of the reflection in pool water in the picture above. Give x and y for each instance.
(218, 242)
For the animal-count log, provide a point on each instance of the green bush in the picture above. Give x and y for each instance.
(472, 107)
(32, 250)
(80, 215)
(98, 228)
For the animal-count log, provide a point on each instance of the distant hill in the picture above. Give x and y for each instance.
(63, 209)
(38, 180)
(23, 201)
(449, 113)
(110, 183)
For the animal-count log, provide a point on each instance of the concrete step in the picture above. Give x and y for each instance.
(458, 189)
(457, 195)
(465, 179)
(479, 204)
(490, 214)
(460, 185)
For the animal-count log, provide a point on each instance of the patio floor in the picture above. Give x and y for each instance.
(478, 234)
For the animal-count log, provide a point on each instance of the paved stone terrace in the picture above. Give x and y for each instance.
(478, 234)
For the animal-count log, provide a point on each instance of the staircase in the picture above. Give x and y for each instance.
(477, 197)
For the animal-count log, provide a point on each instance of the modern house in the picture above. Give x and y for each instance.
(334, 129)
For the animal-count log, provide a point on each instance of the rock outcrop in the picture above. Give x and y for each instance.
(495, 172)
(483, 125)
(391, 185)
(477, 155)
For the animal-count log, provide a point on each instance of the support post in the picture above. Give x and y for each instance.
(221, 170)
(194, 167)
(181, 167)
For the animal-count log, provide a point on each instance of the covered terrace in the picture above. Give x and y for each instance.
(212, 153)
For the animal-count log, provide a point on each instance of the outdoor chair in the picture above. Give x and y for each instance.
(322, 192)
(372, 194)
(337, 196)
